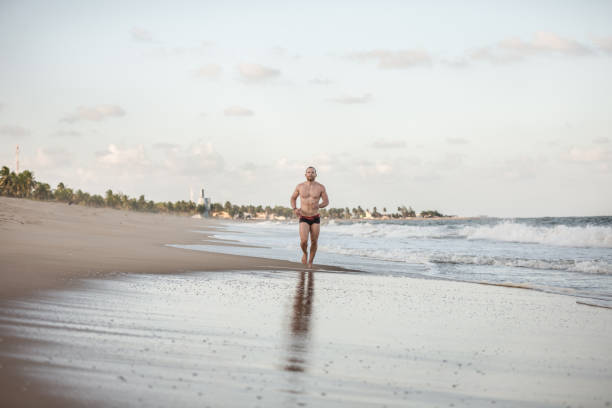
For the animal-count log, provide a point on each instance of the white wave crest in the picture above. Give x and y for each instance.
(507, 231)
(559, 235)
(398, 255)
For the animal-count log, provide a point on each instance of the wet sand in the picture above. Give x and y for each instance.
(271, 335)
(283, 338)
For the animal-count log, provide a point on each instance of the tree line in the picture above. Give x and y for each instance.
(24, 185)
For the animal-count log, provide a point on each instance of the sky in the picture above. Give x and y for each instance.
(470, 108)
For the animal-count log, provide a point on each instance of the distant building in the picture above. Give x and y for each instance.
(204, 201)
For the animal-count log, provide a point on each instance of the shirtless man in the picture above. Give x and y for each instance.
(310, 193)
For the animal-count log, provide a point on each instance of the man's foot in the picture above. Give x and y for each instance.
(309, 265)
(304, 259)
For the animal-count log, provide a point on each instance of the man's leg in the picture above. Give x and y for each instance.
(304, 230)
(314, 238)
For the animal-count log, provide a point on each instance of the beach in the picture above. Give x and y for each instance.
(101, 307)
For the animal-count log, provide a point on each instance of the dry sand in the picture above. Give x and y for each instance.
(270, 335)
(46, 244)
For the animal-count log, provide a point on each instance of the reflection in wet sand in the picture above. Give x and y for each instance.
(300, 323)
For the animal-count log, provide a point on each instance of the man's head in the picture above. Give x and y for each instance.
(311, 173)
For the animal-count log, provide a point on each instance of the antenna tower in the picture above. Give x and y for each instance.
(17, 160)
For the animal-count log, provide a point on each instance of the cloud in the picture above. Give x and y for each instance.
(401, 59)
(450, 162)
(249, 170)
(457, 62)
(388, 144)
(14, 131)
(349, 100)
(238, 111)
(279, 51)
(368, 169)
(209, 71)
(601, 140)
(605, 44)
(197, 159)
(426, 176)
(205, 157)
(588, 154)
(324, 163)
(457, 140)
(248, 166)
(283, 53)
(85, 175)
(52, 157)
(165, 146)
(543, 44)
(515, 168)
(140, 34)
(129, 156)
(67, 133)
(1, 107)
(285, 164)
(320, 81)
(94, 113)
(257, 73)
(168, 52)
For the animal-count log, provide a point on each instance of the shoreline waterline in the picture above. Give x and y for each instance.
(564, 256)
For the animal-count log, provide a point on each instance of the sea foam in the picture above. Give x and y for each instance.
(560, 235)
(403, 255)
(507, 231)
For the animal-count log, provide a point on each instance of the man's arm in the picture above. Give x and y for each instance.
(294, 197)
(324, 197)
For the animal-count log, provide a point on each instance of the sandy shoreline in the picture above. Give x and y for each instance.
(95, 310)
(45, 244)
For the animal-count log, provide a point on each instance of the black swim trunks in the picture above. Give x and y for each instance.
(315, 219)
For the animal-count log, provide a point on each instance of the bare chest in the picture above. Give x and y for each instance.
(310, 191)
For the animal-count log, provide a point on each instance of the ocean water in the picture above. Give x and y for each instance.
(570, 255)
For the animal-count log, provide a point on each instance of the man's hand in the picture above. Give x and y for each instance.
(297, 212)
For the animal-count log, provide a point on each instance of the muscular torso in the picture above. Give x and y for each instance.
(310, 195)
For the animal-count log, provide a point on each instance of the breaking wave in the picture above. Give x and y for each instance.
(398, 255)
(587, 235)
(559, 235)
(507, 231)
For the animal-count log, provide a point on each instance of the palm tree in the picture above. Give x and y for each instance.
(25, 184)
(112, 200)
(42, 191)
(7, 181)
(62, 193)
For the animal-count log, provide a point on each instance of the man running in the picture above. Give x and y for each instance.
(310, 193)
